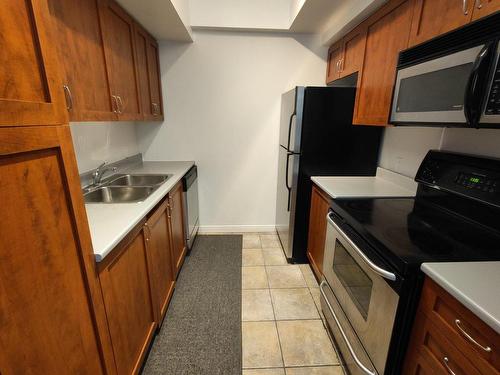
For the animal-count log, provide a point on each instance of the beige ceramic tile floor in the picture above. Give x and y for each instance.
(283, 333)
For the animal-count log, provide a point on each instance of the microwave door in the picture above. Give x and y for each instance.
(434, 91)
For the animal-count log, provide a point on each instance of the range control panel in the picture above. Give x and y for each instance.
(474, 177)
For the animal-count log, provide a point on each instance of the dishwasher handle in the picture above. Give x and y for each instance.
(189, 178)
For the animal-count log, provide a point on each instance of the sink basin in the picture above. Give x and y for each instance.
(118, 194)
(138, 180)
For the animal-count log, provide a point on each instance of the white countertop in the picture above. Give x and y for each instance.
(110, 223)
(475, 284)
(384, 184)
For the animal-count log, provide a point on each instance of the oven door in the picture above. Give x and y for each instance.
(434, 91)
(369, 303)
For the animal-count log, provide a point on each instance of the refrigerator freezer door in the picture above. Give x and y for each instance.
(291, 118)
(288, 169)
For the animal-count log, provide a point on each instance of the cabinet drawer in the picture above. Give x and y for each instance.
(433, 344)
(462, 328)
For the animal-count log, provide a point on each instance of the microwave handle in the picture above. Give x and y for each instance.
(378, 270)
(473, 97)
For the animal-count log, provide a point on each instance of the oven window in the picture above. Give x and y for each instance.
(355, 281)
(441, 90)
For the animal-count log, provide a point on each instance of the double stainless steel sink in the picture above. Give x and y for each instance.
(125, 188)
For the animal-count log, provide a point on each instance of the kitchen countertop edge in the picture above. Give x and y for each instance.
(110, 223)
(468, 283)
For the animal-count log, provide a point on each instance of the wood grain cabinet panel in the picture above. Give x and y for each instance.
(155, 79)
(353, 51)
(317, 230)
(333, 62)
(141, 46)
(483, 8)
(30, 91)
(177, 227)
(52, 318)
(80, 47)
(432, 18)
(119, 48)
(159, 255)
(387, 34)
(127, 297)
(445, 328)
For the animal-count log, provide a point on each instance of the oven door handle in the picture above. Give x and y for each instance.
(358, 362)
(378, 270)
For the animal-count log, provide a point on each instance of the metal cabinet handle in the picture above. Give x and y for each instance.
(69, 97)
(360, 364)
(378, 270)
(465, 5)
(470, 338)
(114, 104)
(479, 4)
(341, 65)
(447, 366)
(120, 107)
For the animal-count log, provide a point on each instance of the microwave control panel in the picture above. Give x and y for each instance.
(493, 104)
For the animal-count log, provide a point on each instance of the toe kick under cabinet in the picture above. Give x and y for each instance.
(137, 281)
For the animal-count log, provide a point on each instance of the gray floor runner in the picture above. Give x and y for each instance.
(201, 333)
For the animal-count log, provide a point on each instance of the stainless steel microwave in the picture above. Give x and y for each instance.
(461, 89)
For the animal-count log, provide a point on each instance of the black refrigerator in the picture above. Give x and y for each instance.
(317, 138)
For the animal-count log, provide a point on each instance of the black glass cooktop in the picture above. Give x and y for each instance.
(407, 232)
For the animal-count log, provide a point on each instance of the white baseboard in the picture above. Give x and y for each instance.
(210, 229)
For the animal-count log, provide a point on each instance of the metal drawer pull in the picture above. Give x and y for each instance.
(360, 364)
(479, 5)
(114, 103)
(119, 98)
(465, 6)
(378, 270)
(469, 337)
(445, 361)
(69, 97)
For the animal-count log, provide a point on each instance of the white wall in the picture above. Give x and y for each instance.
(96, 142)
(403, 148)
(222, 102)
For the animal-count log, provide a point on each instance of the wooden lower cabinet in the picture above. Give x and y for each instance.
(52, 317)
(320, 205)
(159, 256)
(129, 305)
(177, 227)
(448, 338)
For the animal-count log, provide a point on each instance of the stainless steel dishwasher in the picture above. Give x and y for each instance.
(190, 192)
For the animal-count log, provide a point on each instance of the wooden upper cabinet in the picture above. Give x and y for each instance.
(159, 256)
(78, 39)
(177, 227)
(317, 230)
(353, 51)
(30, 86)
(387, 34)
(141, 47)
(52, 319)
(119, 47)
(432, 18)
(127, 297)
(333, 62)
(482, 8)
(155, 79)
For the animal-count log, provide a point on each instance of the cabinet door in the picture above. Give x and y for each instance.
(333, 62)
(354, 50)
(126, 292)
(159, 254)
(52, 319)
(155, 79)
(432, 18)
(78, 39)
(482, 8)
(177, 227)
(141, 46)
(118, 36)
(387, 35)
(317, 230)
(30, 86)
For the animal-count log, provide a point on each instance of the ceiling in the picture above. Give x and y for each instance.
(175, 19)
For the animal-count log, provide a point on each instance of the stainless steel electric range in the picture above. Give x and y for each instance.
(374, 249)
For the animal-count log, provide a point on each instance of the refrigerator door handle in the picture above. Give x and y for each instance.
(290, 129)
(289, 188)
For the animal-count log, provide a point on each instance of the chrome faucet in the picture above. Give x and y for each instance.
(99, 172)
